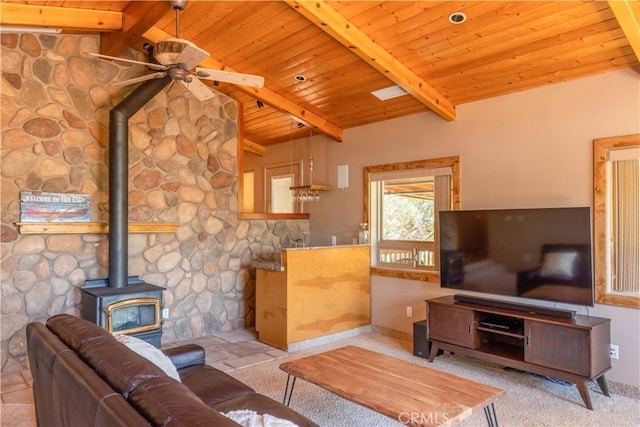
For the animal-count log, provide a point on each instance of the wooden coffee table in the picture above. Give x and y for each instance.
(409, 393)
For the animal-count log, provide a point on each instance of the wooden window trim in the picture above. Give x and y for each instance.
(367, 171)
(600, 148)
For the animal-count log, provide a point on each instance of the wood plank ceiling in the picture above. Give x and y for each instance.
(347, 49)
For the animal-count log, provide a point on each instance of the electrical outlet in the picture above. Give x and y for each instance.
(613, 351)
(165, 313)
(409, 311)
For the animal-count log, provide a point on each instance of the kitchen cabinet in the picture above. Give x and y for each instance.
(317, 292)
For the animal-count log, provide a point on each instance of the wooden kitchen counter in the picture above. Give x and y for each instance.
(321, 291)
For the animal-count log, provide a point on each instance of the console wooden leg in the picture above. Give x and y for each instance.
(602, 382)
(584, 392)
(434, 352)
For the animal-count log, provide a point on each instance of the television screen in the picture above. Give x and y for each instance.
(541, 254)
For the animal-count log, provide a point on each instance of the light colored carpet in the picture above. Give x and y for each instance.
(530, 400)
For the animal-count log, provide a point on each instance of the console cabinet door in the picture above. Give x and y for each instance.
(558, 347)
(452, 325)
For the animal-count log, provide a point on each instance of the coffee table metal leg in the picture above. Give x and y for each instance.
(490, 413)
(287, 399)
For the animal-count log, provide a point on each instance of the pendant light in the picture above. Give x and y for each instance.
(310, 192)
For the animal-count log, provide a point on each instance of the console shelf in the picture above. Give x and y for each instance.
(500, 332)
(575, 349)
(506, 351)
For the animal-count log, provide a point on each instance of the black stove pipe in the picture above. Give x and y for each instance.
(119, 177)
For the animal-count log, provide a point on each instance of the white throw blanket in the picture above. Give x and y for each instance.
(249, 418)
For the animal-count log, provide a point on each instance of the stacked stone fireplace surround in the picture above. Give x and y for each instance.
(182, 168)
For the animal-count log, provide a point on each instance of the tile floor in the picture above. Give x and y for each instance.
(224, 350)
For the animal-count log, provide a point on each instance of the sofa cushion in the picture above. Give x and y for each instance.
(211, 384)
(123, 369)
(166, 402)
(186, 355)
(74, 331)
(151, 353)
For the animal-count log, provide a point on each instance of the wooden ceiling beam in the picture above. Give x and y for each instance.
(59, 17)
(138, 17)
(627, 13)
(252, 147)
(269, 97)
(344, 31)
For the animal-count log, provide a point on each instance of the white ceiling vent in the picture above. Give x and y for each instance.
(389, 93)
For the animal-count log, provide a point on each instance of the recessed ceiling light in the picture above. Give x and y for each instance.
(300, 77)
(389, 93)
(457, 18)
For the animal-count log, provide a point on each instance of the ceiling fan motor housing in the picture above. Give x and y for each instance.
(178, 4)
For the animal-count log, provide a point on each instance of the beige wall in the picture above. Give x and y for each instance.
(529, 149)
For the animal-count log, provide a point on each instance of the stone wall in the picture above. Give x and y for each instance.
(182, 168)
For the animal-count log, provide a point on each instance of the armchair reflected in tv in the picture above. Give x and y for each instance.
(542, 254)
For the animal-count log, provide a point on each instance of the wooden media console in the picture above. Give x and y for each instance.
(575, 350)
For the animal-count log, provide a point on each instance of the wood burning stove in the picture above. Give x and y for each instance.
(121, 303)
(133, 310)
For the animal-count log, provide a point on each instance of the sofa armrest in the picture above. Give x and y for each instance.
(186, 355)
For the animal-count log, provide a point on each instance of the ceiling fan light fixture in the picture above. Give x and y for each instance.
(457, 18)
(167, 51)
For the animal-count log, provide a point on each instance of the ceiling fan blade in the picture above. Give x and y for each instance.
(141, 78)
(131, 61)
(199, 89)
(191, 56)
(229, 77)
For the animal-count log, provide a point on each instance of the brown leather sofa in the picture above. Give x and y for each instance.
(82, 376)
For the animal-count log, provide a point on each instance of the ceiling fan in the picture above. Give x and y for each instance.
(177, 58)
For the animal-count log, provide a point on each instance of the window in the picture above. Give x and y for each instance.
(278, 177)
(616, 220)
(281, 197)
(248, 194)
(402, 201)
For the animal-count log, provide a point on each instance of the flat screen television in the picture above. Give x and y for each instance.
(541, 254)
